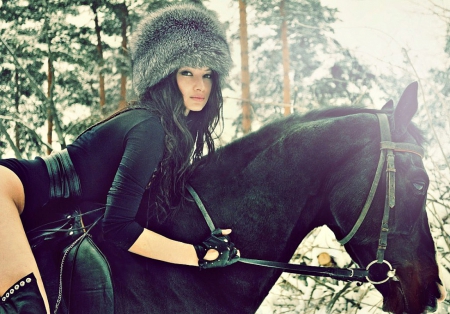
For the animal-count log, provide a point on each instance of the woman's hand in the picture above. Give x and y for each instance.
(213, 254)
(217, 250)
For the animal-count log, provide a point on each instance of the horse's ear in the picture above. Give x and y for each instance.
(405, 109)
(389, 106)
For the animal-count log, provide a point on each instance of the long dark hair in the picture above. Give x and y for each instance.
(185, 138)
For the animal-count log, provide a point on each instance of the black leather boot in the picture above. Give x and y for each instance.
(23, 298)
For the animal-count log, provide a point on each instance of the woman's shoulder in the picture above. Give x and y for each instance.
(138, 116)
(142, 122)
(132, 122)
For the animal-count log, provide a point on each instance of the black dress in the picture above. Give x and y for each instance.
(114, 162)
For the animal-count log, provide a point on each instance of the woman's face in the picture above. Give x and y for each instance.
(195, 86)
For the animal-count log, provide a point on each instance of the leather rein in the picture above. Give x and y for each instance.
(387, 155)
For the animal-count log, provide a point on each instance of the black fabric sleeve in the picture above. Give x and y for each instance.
(143, 150)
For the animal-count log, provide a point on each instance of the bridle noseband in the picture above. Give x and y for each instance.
(387, 156)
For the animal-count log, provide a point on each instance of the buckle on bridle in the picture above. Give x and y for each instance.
(389, 275)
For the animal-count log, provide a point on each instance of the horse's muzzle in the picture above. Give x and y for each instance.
(398, 299)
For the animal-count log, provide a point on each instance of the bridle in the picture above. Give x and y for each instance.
(387, 156)
(387, 149)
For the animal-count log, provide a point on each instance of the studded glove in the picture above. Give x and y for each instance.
(221, 243)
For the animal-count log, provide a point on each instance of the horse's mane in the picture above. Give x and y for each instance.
(272, 131)
(335, 112)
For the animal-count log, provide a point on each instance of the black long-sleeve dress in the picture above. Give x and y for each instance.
(114, 162)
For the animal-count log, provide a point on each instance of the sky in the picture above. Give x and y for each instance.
(377, 30)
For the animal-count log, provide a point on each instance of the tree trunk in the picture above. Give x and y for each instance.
(100, 58)
(16, 105)
(245, 73)
(47, 102)
(122, 12)
(285, 51)
(49, 110)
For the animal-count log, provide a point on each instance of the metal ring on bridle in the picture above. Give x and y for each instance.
(390, 273)
(352, 272)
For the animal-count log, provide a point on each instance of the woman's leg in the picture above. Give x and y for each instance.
(16, 257)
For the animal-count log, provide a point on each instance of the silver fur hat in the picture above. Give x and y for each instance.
(177, 36)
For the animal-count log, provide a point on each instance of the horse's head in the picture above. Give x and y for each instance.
(410, 250)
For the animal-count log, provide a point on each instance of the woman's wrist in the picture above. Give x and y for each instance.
(156, 246)
(192, 259)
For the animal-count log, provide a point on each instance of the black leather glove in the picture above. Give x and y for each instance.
(222, 244)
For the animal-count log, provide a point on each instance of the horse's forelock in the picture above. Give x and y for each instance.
(417, 134)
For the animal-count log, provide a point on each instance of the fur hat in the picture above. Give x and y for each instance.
(177, 36)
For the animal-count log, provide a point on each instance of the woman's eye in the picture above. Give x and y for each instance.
(208, 76)
(186, 73)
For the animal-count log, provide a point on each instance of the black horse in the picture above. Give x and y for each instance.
(272, 187)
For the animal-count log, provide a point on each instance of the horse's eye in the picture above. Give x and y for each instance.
(419, 186)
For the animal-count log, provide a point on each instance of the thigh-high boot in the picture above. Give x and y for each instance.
(23, 298)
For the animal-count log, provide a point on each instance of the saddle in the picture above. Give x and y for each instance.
(76, 274)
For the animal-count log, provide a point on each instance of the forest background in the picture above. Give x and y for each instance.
(64, 65)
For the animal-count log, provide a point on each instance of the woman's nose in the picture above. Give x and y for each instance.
(199, 84)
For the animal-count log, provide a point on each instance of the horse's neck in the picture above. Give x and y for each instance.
(271, 188)
(281, 186)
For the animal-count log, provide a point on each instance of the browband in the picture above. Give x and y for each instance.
(403, 147)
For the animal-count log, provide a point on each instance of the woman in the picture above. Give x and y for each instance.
(179, 57)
